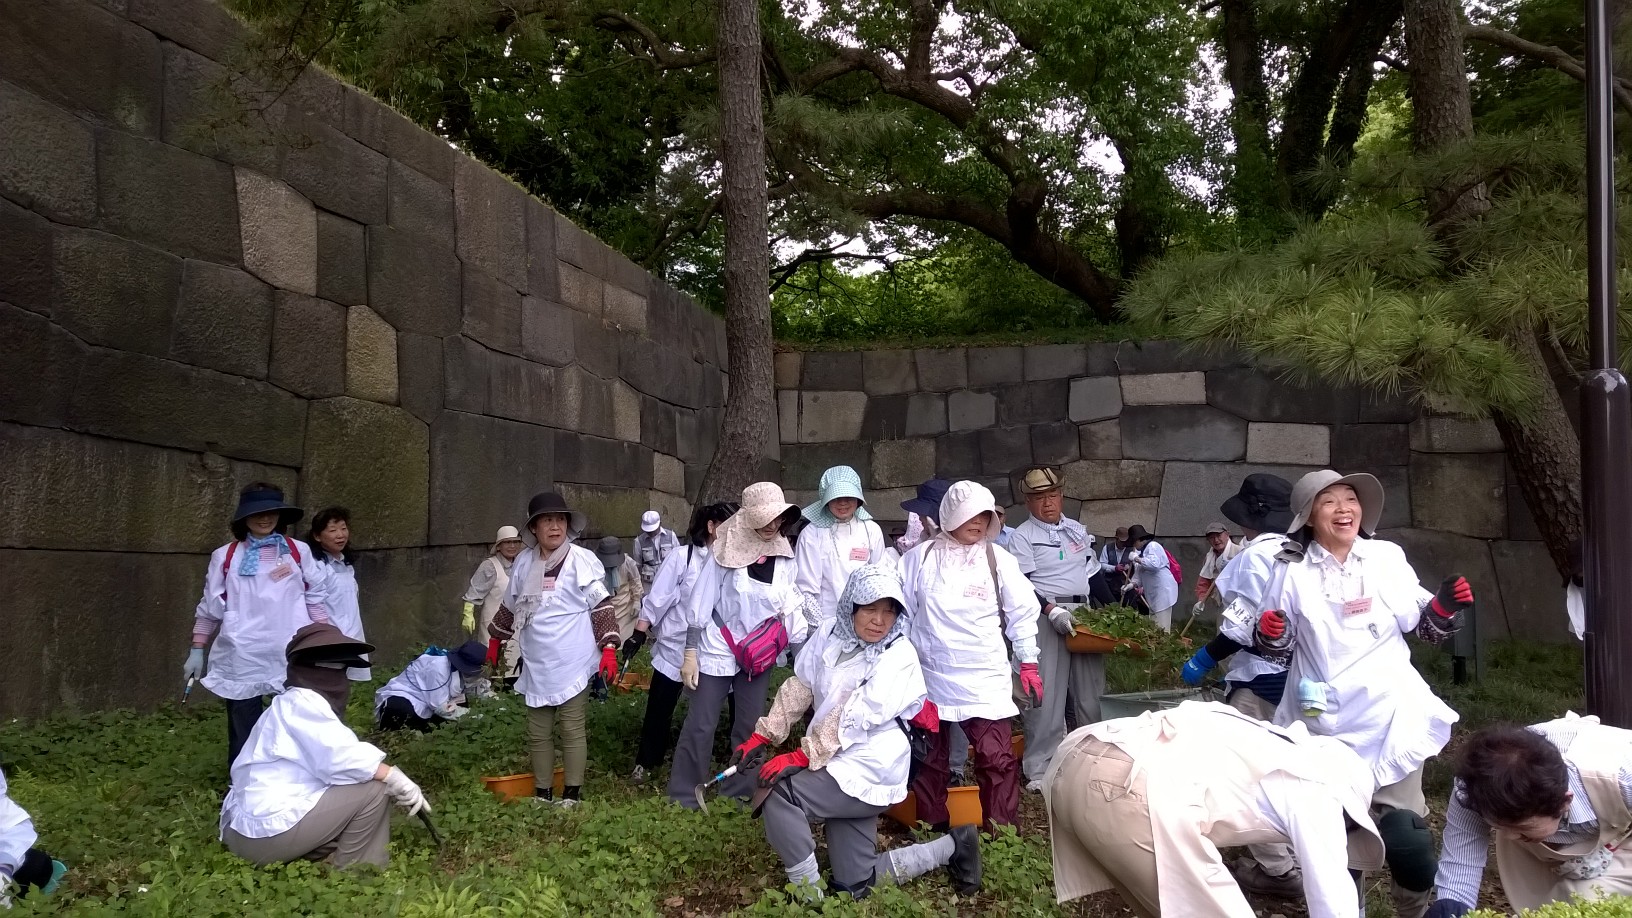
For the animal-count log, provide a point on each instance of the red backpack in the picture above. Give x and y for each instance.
(1172, 566)
(226, 565)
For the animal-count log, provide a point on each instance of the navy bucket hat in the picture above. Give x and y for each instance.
(266, 500)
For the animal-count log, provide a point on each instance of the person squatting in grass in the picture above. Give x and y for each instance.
(23, 867)
(560, 613)
(860, 681)
(429, 691)
(258, 591)
(330, 539)
(305, 787)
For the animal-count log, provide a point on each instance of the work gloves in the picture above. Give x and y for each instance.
(493, 646)
(927, 718)
(1031, 682)
(1455, 595)
(633, 645)
(194, 667)
(783, 766)
(752, 751)
(1447, 908)
(1061, 619)
(468, 620)
(404, 792)
(609, 664)
(1197, 668)
(1272, 626)
(689, 670)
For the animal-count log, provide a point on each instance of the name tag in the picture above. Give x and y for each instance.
(1078, 547)
(281, 573)
(549, 584)
(1357, 606)
(860, 554)
(976, 591)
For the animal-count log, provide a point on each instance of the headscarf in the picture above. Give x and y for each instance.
(869, 583)
(838, 481)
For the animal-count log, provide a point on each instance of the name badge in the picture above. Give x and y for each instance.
(1357, 606)
(1078, 547)
(281, 573)
(549, 584)
(860, 554)
(975, 591)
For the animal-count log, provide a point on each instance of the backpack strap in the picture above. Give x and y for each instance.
(730, 642)
(293, 550)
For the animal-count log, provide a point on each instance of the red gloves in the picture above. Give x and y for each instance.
(1454, 595)
(927, 718)
(609, 664)
(750, 751)
(493, 645)
(782, 766)
(1031, 682)
(1272, 625)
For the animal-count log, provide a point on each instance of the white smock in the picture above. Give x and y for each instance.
(1240, 587)
(298, 749)
(559, 654)
(17, 833)
(1348, 624)
(825, 558)
(958, 629)
(1575, 607)
(1151, 572)
(344, 611)
(429, 683)
(664, 607)
(1062, 557)
(258, 615)
(743, 604)
(874, 755)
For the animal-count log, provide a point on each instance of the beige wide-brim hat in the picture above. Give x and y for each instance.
(1367, 487)
(736, 544)
(506, 534)
(1040, 480)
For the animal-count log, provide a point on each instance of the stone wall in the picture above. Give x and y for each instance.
(337, 301)
(1161, 435)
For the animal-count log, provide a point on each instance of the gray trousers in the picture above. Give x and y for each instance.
(957, 744)
(351, 824)
(693, 750)
(850, 825)
(1081, 676)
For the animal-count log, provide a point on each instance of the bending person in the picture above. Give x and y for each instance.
(23, 867)
(429, 691)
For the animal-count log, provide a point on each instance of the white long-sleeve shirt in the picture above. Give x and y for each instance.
(1151, 572)
(429, 683)
(17, 833)
(825, 558)
(664, 606)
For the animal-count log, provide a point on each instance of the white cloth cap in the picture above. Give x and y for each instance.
(651, 521)
(963, 502)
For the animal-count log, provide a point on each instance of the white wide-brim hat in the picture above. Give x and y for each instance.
(1367, 487)
(506, 534)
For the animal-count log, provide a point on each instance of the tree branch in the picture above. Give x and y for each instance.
(1547, 54)
(660, 53)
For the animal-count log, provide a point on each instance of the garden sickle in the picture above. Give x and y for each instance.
(430, 827)
(703, 787)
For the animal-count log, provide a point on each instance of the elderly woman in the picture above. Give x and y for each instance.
(1151, 570)
(1337, 617)
(966, 600)
(744, 609)
(485, 592)
(430, 690)
(840, 539)
(860, 681)
(1559, 797)
(305, 787)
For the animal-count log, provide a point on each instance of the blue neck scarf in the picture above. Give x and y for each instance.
(249, 564)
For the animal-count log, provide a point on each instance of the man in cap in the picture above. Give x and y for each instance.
(652, 545)
(1057, 554)
(1220, 549)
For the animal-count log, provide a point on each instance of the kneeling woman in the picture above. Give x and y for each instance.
(305, 787)
(860, 674)
(430, 690)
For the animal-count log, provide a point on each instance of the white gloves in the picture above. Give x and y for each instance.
(404, 792)
(194, 667)
(5, 889)
(1063, 623)
(689, 669)
(1198, 607)
(450, 712)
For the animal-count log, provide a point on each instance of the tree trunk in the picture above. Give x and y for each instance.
(1546, 458)
(749, 404)
(1254, 187)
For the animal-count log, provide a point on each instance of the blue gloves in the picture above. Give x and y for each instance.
(1447, 908)
(194, 667)
(1198, 667)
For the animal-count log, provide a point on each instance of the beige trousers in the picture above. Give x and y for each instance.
(351, 824)
(1276, 858)
(571, 715)
(1101, 819)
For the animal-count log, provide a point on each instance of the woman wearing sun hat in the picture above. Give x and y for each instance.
(747, 584)
(486, 591)
(430, 689)
(258, 591)
(841, 539)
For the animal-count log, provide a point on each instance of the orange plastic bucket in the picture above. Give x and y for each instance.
(520, 787)
(962, 807)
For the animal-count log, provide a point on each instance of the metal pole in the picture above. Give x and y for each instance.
(1606, 411)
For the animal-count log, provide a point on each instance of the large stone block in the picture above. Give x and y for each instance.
(674, 508)
(200, 25)
(1054, 443)
(578, 248)
(804, 463)
(71, 53)
(611, 510)
(466, 367)
(1357, 445)
(1396, 481)
(889, 372)
(625, 413)
(841, 370)
(597, 460)
(1169, 357)
(37, 368)
(547, 332)
(668, 474)
(996, 366)
(1095, 398)
(1293, 444)
(337, 173)
(408, 590)
(1529, 588)
(1055, 361)
(371, 357)
(787, 415)
(492, 311)
(167, 197)
(492, 221)
(1104, 517)
(1521, 522)
(1256, 396)
(1182, 432)
(543, 267)
(363, 119)
(885, 419)
(25, 259)
(342, 260)
(169, 404)
(483, 471)
(374, 460)
(419, 375)
(413, 283)
(829, 416)
(659, 371)
(419, 204)
(308, 345)
(409, 143)
(598, 349)
(658, 430)
(1455, 435)
(1004, 450)
(583, 291)
(902, 463)
(957, 455)
(47, 158)
(279, 230)
(1032, 402)
(786, 367)
(223, 320)
(1165, 389)
(926, 414)
(1437, 555)
(1100, 440)
(1193, 491)
(968, 410)
(1460, 493)
(1383, 408)
(521, 390)
(625, 310)
(114, 292)
(941, 369)
(192, 115)
(1102, 479)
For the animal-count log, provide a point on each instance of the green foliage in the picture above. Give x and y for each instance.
(1613, 907)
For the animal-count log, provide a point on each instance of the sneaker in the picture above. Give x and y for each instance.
(638, 776)
(543, 795)
(566, 803)
(1034, 786)
(1254, 879)
(964, 867)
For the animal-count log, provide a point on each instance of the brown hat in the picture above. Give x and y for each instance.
(321, 642)
(1040, 480)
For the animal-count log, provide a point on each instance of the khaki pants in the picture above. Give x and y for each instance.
(1100, 817)
(1276, 858)
(1404, 794)
(351, 824)
(571, 715)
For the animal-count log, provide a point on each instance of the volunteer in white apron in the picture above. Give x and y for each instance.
(664, 616)
(258, 591)
(430, 690)
(331, 544)
(1061, 559)
(840, 539)
(623, 582)
(1338, 617)
(965, 596)
(1558, 796)
(558, 610)
(747, 582)
(486, 593)
(1221, 547)
(305, 787)
(654, 544)
(23, 867)
(1152, 572)
(860, 681)
(1143, 805)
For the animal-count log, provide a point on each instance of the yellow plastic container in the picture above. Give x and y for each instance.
(520, 787)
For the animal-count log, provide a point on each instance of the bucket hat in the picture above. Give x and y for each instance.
(927, 503)
(1263, 504)
(1138, 533)
(838, 481)
(551, 502)
(1369, 489)
(1040, 480)
(265, 500)
(321, 642)
(506, 534)
(736, 544)
(468, 657)
(651, 521)
(610, 550)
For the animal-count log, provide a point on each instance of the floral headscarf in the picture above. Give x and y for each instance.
(869, 583)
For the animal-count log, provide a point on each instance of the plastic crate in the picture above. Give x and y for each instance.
(1132, 704)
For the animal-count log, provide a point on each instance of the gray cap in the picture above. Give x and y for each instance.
(1367, 487)
(1216, 526)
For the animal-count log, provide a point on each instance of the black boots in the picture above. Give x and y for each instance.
(964, 868)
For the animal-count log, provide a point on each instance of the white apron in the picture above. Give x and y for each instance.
(344, 612)
(664, 607)
(258, 617)
(743, 603)
(825, 559)
(874, 755)
(558, 652)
